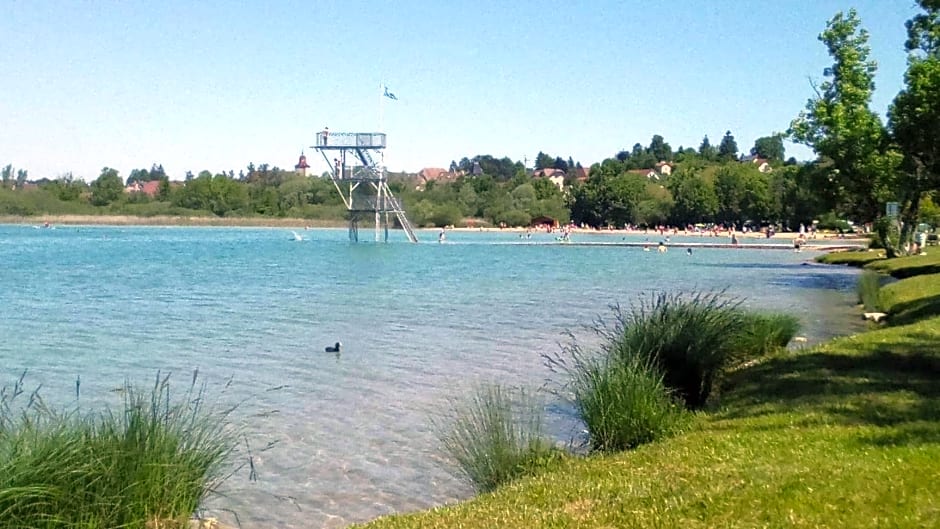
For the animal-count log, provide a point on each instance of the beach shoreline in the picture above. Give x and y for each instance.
(300, 223)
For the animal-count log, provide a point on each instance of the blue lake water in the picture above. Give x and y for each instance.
(419, 324)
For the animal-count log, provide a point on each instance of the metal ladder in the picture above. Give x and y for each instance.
(402, 219)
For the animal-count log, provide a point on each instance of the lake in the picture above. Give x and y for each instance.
(350, 435)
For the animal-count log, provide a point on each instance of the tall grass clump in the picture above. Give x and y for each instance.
(690, 338)
(623, 403)
(495, 436)
(147, 465)
(868, 288)
(763, 333)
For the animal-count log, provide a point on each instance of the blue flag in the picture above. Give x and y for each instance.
(390, 95)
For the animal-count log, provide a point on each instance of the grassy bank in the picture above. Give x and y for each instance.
(875, 260)
(846, 434)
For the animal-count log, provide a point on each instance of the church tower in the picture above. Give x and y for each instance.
(301, 167)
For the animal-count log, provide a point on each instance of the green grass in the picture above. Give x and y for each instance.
(911, 299)
(851, 258)
(149, 464)
(763, 333)
(909, 266)
(868, 288)
(690, 338)
(496, 437)
(623, 404)
(843, 435)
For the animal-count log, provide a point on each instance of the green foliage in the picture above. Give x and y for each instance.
(868, 288)
(108, 188)
(929, 212)
(706, 150)
(839, 125)
(622, 402)
(150, 464)
(769, 147)
(694, 198)
(762, 334)
(29, 202)
(794, 198)
(743, 193)
(887, 235)
(496, 437)
(609, 197)
(831, 222)
(728, 148)
(914, 116)
(690, 338)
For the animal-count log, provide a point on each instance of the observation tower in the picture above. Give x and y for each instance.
(361, 181)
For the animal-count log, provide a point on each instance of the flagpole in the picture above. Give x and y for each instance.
(381, 108)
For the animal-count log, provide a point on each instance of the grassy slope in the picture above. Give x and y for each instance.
(909, 266)
(898, 267)
(911, 299)
(844, 435)
(851, 258)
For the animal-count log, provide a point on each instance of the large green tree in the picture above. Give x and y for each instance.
(743, 194)
(839, 125)
(706, 150)
(769, 147)
(108, 188)
(694, 198)
(728, 148)
(914, 117)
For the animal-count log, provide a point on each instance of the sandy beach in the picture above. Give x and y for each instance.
(272, 222)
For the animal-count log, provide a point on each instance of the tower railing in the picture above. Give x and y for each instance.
(363, 188)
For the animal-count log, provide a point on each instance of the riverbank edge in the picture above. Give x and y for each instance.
(581, 506)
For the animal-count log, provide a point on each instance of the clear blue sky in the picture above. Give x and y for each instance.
(216, 85)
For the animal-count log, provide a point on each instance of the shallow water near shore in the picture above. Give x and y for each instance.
(419, 324)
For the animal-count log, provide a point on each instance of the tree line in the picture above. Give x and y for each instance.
(863, 163)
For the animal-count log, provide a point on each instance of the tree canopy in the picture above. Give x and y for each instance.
(840, 126)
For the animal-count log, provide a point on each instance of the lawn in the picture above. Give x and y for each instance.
(912, 298)
(843, 435)
(901, 267)
(851, 258)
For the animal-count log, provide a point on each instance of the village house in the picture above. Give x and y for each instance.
(763, 164)
(555, 176)
(150, 188)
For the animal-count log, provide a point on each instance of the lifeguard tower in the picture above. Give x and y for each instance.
(361, 181)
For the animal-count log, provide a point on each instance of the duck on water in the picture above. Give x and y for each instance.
(334, 348)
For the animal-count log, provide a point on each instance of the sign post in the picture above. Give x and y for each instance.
(891, 209)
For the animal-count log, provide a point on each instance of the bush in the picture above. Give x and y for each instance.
(496, 437)
(763, 333)
(690, 338)
(623, 404)
(829, 221)
(868, 288)
(151, 464)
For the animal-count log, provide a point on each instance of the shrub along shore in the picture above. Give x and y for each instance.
(845, 434)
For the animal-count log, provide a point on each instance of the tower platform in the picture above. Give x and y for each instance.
(362, 181)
